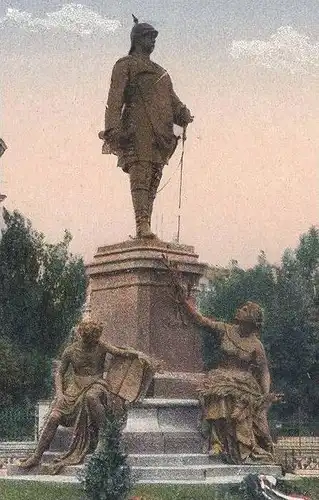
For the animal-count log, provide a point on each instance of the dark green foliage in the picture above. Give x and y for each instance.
(107, 474)
(17, 421)
(11, 376)
(289, 295)
(42, 286)
(42, 289)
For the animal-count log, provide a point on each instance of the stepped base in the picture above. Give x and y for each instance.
(164, 445)
(153, 426)
(168, 469)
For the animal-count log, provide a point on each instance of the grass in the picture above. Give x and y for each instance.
(29, 490)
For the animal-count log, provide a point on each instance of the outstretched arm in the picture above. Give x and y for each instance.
(118, 351)
(181, 296)
(215, 327)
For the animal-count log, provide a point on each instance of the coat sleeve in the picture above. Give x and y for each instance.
(179, 109)
(115, 101)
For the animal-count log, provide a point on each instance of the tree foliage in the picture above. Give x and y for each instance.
(288, 294)
(107, 475)
(42, 289)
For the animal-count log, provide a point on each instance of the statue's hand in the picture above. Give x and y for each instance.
(113, 134)
(60, 399)
(181, 293)
(185, 116)
(133, 355)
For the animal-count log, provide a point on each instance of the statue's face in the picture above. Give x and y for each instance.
(90, 336)
(249, 313)
(242, 314)
(147, 42)
(89, 332)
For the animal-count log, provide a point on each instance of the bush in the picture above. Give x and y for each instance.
(17, 422)
(107, 475)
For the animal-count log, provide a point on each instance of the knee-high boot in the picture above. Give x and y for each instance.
(155, 182)
(140, 198)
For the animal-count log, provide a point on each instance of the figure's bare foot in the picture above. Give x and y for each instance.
(29, 463)
(215, 450)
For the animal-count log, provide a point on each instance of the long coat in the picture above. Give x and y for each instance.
(142, 108)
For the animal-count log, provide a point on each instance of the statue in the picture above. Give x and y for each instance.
(236, 395)
(83, 393)
(142, 108)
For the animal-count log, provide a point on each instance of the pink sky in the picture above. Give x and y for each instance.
(251, 161)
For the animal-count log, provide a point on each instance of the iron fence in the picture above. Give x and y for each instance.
(297, 447)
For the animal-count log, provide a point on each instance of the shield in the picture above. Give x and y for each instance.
(129, 378)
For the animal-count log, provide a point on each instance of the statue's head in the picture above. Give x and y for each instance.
(89, 331)
(144, 36)
(251, 313)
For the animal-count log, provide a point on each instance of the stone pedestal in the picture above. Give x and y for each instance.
(164, 445)
(158, 426)
(131, 295)
(163, 426)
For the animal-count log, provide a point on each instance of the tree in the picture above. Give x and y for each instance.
(42, 290)
(107, 475)
(288, 294)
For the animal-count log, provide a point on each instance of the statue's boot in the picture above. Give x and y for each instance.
(140, 199)
(155, 182)
(44, 443)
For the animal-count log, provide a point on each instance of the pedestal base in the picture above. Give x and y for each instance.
(163, 426)
(132, 295)
(164, 445)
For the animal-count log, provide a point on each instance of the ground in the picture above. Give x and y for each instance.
(27, 490)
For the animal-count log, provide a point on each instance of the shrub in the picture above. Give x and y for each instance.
(107, 475)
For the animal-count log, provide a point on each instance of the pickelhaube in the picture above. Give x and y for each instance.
(140, 29)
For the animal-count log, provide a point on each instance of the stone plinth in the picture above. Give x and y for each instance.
(131, 296)
(153, 426)
(164, 444)
(163, 426)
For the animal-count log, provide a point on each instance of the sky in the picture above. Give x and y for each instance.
(248, 71)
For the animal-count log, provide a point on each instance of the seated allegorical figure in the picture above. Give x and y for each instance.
(236, 395)
(83, 393)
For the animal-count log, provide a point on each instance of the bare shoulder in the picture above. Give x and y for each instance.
(259, 348)
(69, 350)
(259, 344)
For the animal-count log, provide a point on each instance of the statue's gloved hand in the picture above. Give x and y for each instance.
(113, 134)
(185, 116)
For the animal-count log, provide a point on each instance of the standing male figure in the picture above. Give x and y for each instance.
(142, 108)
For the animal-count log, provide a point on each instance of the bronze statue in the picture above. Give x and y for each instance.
(236, 395)
(83, 393)
(142, 108)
